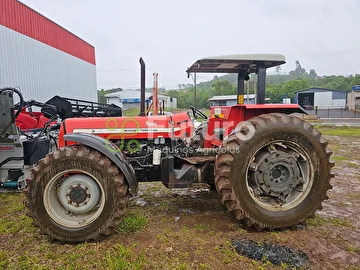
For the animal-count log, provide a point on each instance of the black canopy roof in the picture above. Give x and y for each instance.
(235, 63)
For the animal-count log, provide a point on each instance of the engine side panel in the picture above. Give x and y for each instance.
(126, 128)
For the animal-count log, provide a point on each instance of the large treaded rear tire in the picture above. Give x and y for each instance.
(93, 174)
(240, 163)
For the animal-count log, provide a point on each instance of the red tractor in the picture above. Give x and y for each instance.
(270, 168)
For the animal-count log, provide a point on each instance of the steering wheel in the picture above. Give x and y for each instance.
(196, 112)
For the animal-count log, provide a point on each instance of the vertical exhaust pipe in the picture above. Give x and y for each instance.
(142, 87)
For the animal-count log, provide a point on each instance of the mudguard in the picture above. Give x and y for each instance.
(110, 150)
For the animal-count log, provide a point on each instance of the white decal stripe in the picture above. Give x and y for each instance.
(123, 130)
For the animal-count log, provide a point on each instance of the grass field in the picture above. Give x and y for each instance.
(189, 229)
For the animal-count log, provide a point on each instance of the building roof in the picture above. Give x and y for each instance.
(317, 89)
(128, 94)
(131, 94)
(235, 63)
(21, 18)
(230, 97)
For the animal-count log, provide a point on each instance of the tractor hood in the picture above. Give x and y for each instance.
(137, 127)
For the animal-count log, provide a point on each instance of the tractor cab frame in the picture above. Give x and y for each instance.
(223, 119)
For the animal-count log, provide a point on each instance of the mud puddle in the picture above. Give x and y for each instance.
(276, 254)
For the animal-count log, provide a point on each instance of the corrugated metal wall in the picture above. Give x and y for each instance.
(42, 69)
(24, 20)
(322, 99)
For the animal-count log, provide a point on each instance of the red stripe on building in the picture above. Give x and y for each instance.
(22, 19)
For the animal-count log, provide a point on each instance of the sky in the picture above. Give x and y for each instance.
(171, 35)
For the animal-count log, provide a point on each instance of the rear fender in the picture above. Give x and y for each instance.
(110, 150)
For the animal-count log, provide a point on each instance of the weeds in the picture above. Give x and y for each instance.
(334, 221)
(3, 261)
(132, 223)
(353, 249)
(342, 131)
(124, 258)
(339, 158)
(13, 225)
(278, 237)
(228, 252)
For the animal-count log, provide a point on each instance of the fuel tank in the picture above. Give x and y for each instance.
(130, 127)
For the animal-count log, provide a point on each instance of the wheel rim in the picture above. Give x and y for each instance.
(74, 199)
(279, 175)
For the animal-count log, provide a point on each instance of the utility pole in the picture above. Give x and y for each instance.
(194, 89)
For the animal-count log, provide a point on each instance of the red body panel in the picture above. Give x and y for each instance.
(227, 117)
(137, 127)
(22, 19)
(25, 120)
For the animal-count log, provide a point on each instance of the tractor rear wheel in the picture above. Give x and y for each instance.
(273, 171)
(76, 194)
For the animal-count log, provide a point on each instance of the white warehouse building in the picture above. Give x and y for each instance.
(127, 99)
(42, 58)
(320, 98)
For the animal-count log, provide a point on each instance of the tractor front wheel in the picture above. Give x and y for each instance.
(273, 171)
(76, 194)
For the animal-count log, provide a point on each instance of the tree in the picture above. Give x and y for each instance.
(101, 96)
(313, 74)
(222, 87)
(278, 70)
(292, 86)
(274, 92)
(355, 80)
(299, 70)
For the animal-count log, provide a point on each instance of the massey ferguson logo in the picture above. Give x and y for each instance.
(6, 148)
